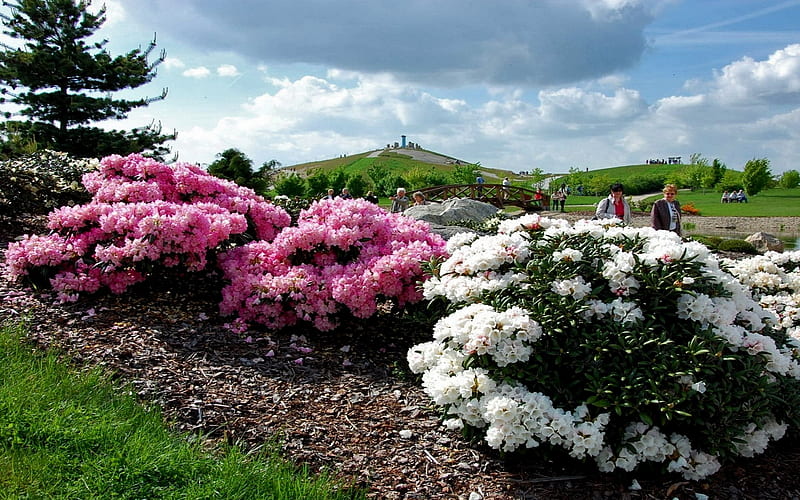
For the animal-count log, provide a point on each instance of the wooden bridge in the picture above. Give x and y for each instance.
(496, 194)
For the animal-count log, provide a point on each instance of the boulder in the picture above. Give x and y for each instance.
(447, 232)
(764, 242)
(452, 211)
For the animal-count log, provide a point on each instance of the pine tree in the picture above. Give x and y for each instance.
(61, 82)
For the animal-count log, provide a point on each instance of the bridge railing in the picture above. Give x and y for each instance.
(496, 194)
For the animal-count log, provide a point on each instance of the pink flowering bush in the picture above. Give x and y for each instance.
(144, 216)
(343, 256)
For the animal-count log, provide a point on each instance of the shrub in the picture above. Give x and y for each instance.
(709, 241)
(144, 217)
(645, 205)
(734, 245)
(621, 345)
(343, 256)
(40, 182)
(689, 208)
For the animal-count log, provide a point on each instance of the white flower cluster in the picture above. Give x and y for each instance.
(643, 442)
(505, 336)
(775, 279)
(755, 440)
(511, 415)
(479, 267)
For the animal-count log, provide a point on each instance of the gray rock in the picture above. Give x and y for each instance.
(447, 232)
(764, 242)
(452, 211)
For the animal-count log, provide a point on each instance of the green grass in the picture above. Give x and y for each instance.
(769, 203)
(627, 171)
(68, 434)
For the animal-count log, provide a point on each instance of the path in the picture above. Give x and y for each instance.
(417, 154)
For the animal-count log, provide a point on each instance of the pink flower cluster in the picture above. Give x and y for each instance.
(342, 254)
(142, 213)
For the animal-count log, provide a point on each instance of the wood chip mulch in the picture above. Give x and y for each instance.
(342, 401)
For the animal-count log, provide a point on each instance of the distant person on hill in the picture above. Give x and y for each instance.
(666, 212)
(399, 201)
(615, 206)
(370, 197)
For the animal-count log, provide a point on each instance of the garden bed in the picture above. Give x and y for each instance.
(342, 401)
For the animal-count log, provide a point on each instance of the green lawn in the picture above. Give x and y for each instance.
(68, 434)
(769, 203)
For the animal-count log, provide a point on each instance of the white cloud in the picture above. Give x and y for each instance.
(173, 62)
(577, 106)
(115, 12)
(198, 72)
(227, 70)
(747, 81)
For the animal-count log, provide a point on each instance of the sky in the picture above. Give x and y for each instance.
(512, 84)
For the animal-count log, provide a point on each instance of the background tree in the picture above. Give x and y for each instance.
(318, 183)
(61, 82)
(718, 168)
(731, 180)
(756, 175)
(235, 166)
(268, 171)
(789, 179)
(291, 185)
(358, 186)
(464, 173)
(538, 176)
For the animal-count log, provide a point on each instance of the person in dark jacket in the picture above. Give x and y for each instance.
(666, 212)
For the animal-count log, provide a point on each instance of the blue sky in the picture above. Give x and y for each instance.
(511, 84)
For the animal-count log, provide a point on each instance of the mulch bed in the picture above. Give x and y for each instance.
(338, 401)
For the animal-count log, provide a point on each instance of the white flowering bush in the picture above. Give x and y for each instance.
(616, 344)
(774, 279)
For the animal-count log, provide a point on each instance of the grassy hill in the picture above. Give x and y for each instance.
(399, 161)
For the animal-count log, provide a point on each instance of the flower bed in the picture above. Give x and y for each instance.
(146, 217)
(621, 345)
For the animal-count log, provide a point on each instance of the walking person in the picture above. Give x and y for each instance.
(615, 206)
(562, 197)
(554, 199)
(666, 212)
